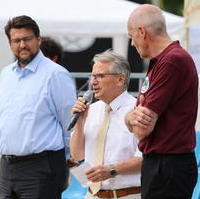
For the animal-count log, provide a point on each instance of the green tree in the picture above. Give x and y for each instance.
(172, 6)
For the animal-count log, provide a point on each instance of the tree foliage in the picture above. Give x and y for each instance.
(172, 6)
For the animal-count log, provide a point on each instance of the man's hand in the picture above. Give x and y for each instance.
(141, 121)
(79, 107)
(139, 116)
(98, 173)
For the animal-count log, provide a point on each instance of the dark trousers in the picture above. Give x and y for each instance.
(168, 176)
(33, 177)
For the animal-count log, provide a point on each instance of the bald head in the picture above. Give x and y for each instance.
(147, 29)
(150, 17)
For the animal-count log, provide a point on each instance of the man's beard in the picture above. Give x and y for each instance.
(24, 62)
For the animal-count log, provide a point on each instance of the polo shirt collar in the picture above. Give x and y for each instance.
(158, 57)
(167, 49)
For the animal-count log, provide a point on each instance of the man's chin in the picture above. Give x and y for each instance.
(97, 95)
(24, 61)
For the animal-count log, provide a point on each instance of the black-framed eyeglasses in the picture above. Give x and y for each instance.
(24, 39)
(99, 76)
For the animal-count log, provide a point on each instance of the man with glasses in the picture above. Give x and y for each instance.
(118, 174)
(36, 96)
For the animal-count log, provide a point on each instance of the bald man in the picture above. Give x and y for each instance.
(166, 110)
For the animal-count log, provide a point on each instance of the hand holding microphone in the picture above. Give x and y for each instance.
(80, 107)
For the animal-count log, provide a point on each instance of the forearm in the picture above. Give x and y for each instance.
(77, 143)
(132, 165)
(102, 172)
(140, 133)
(141, 121)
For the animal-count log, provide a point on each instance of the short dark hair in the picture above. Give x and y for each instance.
(22, 21)
(51, 48)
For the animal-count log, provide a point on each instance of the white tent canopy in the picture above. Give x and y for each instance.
(83, 18)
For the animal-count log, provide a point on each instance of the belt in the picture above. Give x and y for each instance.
(117, 193)
(31, 156)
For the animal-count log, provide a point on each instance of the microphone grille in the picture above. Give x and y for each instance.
(88, 95)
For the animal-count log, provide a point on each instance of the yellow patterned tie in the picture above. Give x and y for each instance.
(100, 145)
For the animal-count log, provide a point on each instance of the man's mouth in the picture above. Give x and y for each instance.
(96, 89)
(24, 51)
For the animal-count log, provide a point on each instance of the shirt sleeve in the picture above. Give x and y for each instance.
(63, 95)
(163, 86)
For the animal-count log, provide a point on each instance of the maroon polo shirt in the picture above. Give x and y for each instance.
(171, 90)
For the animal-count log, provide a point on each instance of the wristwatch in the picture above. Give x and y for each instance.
(112, 171)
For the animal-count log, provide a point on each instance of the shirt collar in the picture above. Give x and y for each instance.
(32, 66)
(118, 101)
(167, 49)
(163, 53)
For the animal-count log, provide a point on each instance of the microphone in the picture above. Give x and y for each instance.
(88, 95)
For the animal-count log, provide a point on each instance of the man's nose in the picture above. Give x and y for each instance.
(93, 81)
(22, 43)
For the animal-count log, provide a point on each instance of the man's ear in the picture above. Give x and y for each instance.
(141, 32)
(122, 79)
(39, 40)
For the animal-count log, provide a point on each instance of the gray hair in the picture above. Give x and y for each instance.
(119, 63)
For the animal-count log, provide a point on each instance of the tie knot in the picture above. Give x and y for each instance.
(107, 108)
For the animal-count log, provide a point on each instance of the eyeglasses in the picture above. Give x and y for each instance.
(24, 39)
(99, 76)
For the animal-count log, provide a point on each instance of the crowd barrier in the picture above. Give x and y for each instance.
(196, 193)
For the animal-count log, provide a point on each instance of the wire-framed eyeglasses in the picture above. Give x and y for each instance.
(27, 39)
(99, 76)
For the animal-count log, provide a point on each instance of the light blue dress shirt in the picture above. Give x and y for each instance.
(35, 104)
